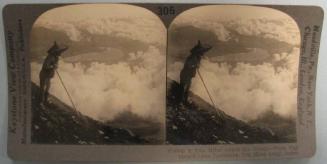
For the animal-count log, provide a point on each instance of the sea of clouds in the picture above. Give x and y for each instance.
(243, 89)
(246, 91)
(105, 83)
(102, 90)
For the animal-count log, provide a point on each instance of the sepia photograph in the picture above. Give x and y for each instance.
(155, 82)
(232, 76)
(97, 75)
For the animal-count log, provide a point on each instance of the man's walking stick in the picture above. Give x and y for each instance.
(70, 98)
(213, 103)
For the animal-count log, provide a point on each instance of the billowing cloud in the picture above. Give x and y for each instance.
(103, 90)
(216, 27)
(284, 30)
(119, 20)
(248, 20)
(245, 91)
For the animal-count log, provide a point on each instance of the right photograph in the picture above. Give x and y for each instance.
(232, 76)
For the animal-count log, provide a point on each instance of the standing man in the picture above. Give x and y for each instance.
(49, 67)
(191, 64)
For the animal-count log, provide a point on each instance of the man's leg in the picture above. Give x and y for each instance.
(47, 87)
(41, 93)
(181, 93)
(186, 92)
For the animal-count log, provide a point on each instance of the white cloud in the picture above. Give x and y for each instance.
(248, 20)
(146, 30)
(69, 29)
(246, 91)
(102, 91)
(217, 27)
(282, 29)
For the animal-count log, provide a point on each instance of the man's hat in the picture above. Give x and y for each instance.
(199, 48)
(56, 49)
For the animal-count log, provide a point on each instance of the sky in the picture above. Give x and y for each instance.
(98, 11)
(226, 12)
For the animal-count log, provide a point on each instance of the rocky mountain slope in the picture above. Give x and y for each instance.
(284, 127)
(199, 123)
(58, 123)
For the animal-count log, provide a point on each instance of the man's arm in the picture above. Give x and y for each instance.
(50, 63)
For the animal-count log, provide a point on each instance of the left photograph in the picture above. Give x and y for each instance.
(96, 76)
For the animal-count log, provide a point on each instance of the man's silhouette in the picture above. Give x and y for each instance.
(49, 67)
(191, 64)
